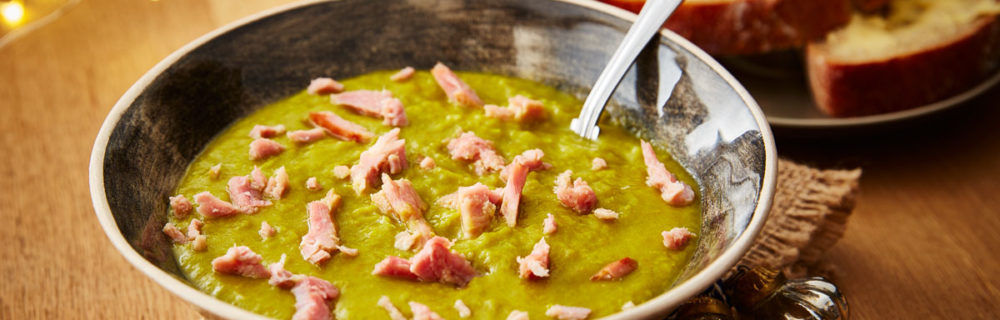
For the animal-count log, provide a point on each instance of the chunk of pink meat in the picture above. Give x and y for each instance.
(456, 89)
(469, 147)
(516, 175)
(341, 172)
(400, 200)
(312, 299)
(605, 214)
(321, 240)
(531, 159)
(211, 207)
(435, 262)
(258, 181)
(405, 240)
(535, 265)
(673, 191)
(277, 184)
(387, 155)
(519, 108)
(403, 74)
(180, 206)
(241, 261)
(174, 234)
(264, 148)
(262, 131)
(194, 228)
(339, 128)
(676, 238)
(313, 184)
(394, 313)
(422, 312)
(244, 196)
(598, 164)
(379, 104)
(476, 209)
(200, 243)
(306, 136)
(427, 163)
(577, 196)
(518, 315)
(324, 86)
(616, 270)
(395, 267)
(266, 230)
(549, 226)
(280, 277)
(567, 313)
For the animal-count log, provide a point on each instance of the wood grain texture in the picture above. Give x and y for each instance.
(920, 245)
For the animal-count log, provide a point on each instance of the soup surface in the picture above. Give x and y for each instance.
(582, 245)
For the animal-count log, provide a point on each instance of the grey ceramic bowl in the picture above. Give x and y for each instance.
(677, 96)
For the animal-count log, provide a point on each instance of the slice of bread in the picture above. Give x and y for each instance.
(914, 53)
(730, 27)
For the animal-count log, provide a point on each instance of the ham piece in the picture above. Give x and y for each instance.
(518, 315)
(577, 196)
(341, 172)
(306, 136)
(549, 226)
(616, 270)
(386, 304)
(211, 207)
(403, 74)
(673, 191)
(476, 206)
(200, 243)
(605, 214)
(400, 200)
(312, 299)
(313, 184)
(535, 265)
(266, 230)
(324, 86)
(435, 262)
(241, 261)
(516, 175)
(598, 164)
(387, 155)
(246, 195)
(174, 234)
(456, 89)
(262, 131)
(180, 206)
(378, 104)
(280, 277)
(676, 238)
(469, 147)
(321, 241)
(339, 128)
(427, 163)
(277, 184)
(422, 312)
(519, 108)
(264, 148)
(194, 229)
(567, 313)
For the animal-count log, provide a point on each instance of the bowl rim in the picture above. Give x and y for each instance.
(205, 302)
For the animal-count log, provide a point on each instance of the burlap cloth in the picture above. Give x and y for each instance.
(808, 215)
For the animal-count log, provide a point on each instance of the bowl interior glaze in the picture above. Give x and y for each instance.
(675, 95)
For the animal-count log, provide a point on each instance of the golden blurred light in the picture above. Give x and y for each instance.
(12, 12)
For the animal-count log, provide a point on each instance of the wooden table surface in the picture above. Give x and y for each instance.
(922, 243)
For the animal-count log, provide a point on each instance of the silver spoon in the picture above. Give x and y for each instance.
(650, 20)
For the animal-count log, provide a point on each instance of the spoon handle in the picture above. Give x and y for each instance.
(650, 20)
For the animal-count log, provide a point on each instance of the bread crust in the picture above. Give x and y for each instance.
(732, 27)
(907, 80)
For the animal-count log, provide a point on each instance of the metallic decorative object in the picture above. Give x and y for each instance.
(763, 293)
(703, 307)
